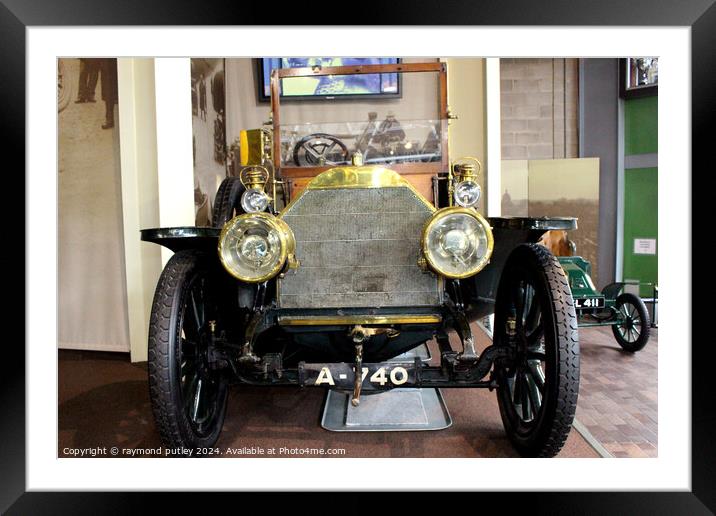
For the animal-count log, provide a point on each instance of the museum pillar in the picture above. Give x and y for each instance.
(140, 193)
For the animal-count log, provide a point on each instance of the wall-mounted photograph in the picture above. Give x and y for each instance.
(208, 106)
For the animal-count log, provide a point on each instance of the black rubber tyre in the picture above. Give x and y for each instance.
(534, 314)
(633, 333)
(227, 203)
(188, 398)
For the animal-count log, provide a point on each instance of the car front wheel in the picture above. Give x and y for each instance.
(188, 395)
(538, 385)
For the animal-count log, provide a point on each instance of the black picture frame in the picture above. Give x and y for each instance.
(263, 98)
(633, 93)
(16, 15)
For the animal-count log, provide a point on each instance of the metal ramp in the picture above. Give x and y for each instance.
(397, 410)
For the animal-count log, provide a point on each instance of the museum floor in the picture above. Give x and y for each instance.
(618, 393)
(103, 401)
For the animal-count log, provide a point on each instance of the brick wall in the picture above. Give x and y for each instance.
(539, 101)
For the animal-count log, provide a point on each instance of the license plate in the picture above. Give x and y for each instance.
(589, 302)
(341, 375)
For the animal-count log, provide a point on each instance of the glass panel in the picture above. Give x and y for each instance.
(515, 188)
(569, 188)
(381, 142)
(557, 188)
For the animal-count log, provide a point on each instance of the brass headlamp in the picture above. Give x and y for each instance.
(254, 179)
(464, 189)
(457, 242)
(255, 247)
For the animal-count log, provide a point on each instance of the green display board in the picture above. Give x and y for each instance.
(641, 226)
(641, 194)
(641, 126)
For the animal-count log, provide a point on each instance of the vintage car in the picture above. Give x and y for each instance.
(624, 311)
(613, 306)
(316, 275)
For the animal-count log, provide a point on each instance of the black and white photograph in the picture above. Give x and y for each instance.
(208, 106)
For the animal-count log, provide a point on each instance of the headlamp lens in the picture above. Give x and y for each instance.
(253, 201)
(467, 194)
(254, 247)
(457, 242)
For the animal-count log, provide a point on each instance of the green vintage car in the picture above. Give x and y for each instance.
(625, 312)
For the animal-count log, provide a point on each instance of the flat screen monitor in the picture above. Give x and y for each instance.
(328, 87)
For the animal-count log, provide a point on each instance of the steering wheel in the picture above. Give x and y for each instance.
(320, 149)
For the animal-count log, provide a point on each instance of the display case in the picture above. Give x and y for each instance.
(380, 142)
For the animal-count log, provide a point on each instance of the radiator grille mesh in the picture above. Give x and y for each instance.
(358, 247)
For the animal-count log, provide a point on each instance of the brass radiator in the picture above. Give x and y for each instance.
(358, 247)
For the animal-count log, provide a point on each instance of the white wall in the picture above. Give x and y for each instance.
(140, 193)
(172, 77)
(466, 93)
(492, 135)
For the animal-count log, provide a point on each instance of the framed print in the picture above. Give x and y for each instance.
(200, 155)
(638, 77)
